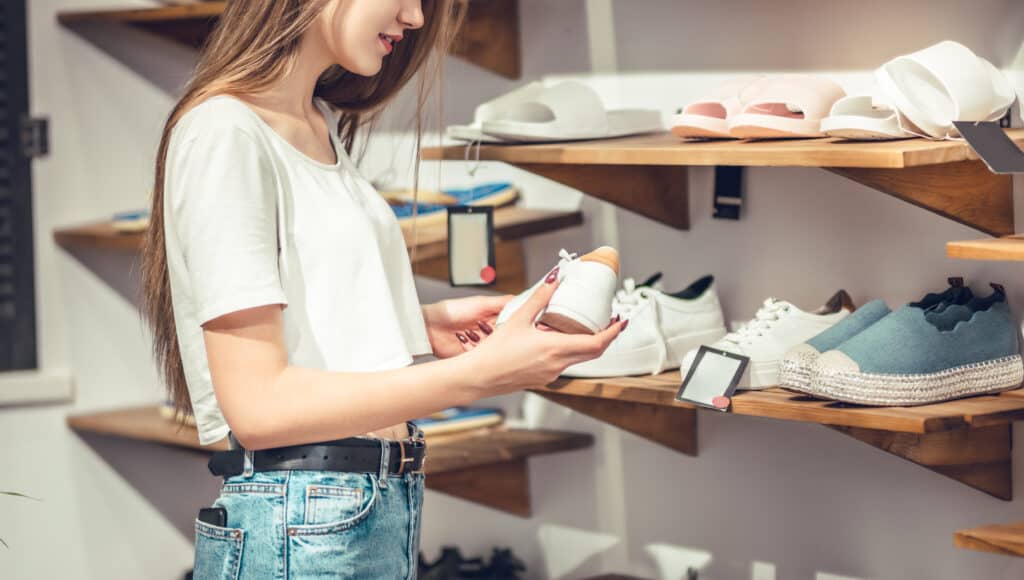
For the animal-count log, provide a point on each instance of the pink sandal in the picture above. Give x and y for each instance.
(708, 118)
(785, 107)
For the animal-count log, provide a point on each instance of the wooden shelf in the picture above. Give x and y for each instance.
(1007, 539)
(942, 176)
(968, 440)
(667, 149)
(1007, 249)
(511, 225)
(489, 37)
(486, 466)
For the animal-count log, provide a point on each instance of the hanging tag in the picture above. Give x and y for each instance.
(990, 142)
(471, 246)
(712, 379)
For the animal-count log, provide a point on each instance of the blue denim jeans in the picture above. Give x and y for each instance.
(297, 525)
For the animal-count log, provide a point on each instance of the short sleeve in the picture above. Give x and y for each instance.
(221, 195)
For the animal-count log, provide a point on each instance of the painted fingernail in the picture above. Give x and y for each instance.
(461, 338)
(616, 318)
(473, 336)
(552, 276)
(484, 327)
(625, 323)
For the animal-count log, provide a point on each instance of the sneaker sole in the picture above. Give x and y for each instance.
(646, 360)
(892, 390)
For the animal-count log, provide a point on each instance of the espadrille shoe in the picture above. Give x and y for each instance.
(916, 357)
(582, 304)
(799, 363)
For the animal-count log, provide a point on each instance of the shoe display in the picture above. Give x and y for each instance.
(663, 327)
(916, 357)
(582, 304)
(777, 327)
(798, 365)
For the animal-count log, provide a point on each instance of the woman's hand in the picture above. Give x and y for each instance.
(455, 326)
(520, 354)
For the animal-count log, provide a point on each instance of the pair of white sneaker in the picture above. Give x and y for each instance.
(662, 327)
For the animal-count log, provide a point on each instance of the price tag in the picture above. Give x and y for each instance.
(471, 246)
(990, 142)
(712, 379)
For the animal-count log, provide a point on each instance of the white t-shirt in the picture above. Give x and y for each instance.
(250, 220)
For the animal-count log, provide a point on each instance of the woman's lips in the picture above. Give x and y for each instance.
(388, 41)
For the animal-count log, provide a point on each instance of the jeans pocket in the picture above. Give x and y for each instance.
(218, 552)
(332, 509)
(327, 504)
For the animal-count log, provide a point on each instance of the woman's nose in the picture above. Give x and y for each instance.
(411, 15)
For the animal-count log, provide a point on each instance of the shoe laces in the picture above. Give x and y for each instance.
(769, 313)
(629, 297)
(565, 256)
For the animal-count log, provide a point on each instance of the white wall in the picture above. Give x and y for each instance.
(764, 499)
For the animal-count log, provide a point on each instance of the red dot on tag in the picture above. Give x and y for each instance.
(720, 402)
(487, 274)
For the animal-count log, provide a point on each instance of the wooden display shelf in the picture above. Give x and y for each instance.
(485, 466)
(646, 173)
(511, 225)
(489, 37)
(1007, 249)
(968, 440)
(1006, 539)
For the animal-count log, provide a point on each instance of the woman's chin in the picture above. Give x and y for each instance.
(367, 68)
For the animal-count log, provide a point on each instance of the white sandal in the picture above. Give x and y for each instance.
(943, 83)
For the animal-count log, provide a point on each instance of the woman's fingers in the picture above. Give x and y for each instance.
(590, 346)
(538, 300)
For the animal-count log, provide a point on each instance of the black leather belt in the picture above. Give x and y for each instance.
(353, 455)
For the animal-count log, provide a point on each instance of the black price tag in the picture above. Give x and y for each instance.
(712, 379)
(990, 142)
(471, 246)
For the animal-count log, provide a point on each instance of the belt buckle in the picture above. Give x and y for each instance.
(416, 440)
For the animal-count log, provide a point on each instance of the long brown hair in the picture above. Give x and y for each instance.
(253, 45)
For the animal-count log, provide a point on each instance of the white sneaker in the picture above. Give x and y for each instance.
(777, 327)
(583, 302)
(662, 328)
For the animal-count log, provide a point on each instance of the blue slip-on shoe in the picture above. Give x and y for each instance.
(905, 359)
(798, 365)
(946, 318)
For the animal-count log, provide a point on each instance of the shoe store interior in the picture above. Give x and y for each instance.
(576, 289)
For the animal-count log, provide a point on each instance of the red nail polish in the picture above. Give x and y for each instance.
(473, 336)
(616, 318)
(625, 323)
(461, 338)
(484, 327)
(552, 276)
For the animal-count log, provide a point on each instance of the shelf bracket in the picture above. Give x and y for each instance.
(658, 192)
(978, 457)
(502, 486)
(963, 191)
(673, 427)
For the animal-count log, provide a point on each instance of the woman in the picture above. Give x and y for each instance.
(280, 294)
